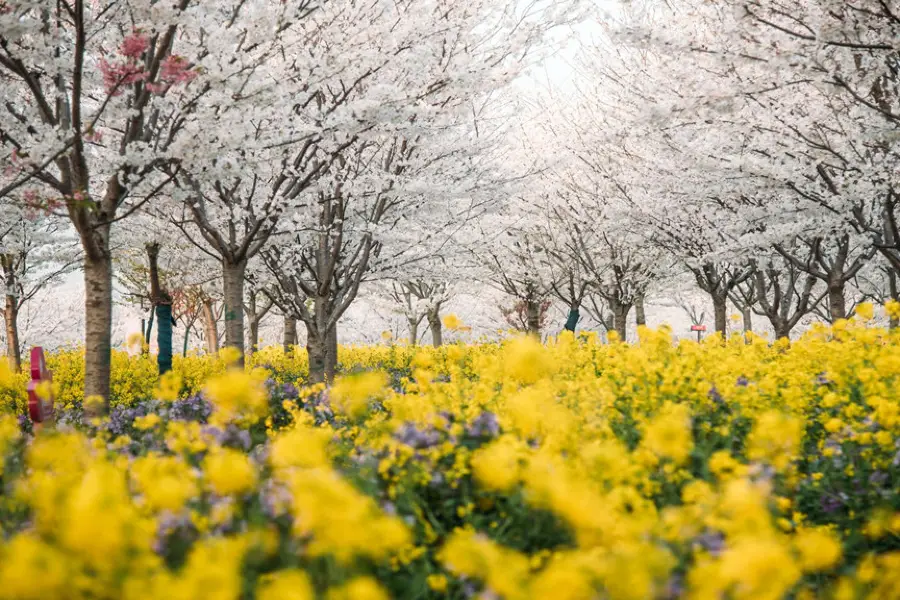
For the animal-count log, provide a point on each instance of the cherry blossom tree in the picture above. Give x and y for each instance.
(35, 254)
(102, 102)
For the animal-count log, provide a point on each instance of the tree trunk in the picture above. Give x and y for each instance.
(315, 349)
(233, 277)
(253, 333)
(533, 317)
(187, 337)
(11, 316)
(620, 319)
(837, 307)
(434, 324)
(720, 311)
(290, 333)
(413, 331)
(747, 318)
(640, 316)
(782, 330)
(211, 330)
(894, 291)
(145, 347)
(98, 322)
(331, 354)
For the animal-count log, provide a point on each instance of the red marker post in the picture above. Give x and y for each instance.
(699, 329)
(40, 409)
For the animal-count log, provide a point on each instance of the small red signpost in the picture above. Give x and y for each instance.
(40, 409)
(699, 329)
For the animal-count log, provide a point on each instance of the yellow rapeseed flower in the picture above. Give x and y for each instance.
(229, 472)
(288, 584)
(360, 588)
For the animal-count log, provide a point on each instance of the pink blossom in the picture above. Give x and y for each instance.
(14, 164)
(134, 45)
(175, 70)
(117, 75)
(93, 136)
(157, 88)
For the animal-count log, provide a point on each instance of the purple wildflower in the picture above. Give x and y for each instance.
(484, 426)
(711, 541)
(412, 436)
(193, 408)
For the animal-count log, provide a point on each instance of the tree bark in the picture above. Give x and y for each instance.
(747, 318)
(98, 322)
(187, 337)
(640, 315)
(290, 333)
(720, 312)
(434, 324)
(145, 347)
(837, 307)
(533, 317)
(11, 316)
(782, 330)
(233, 278)
(315, 349)
(620, 319)
(253, 334)
(894, 292)
(210, 327)
(331, 354)
(413, 331)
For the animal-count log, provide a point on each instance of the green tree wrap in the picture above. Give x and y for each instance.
(164, 337)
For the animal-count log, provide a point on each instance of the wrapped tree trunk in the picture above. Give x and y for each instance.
(164, 337)
(572, 319)
(163, 305)
(11, 316)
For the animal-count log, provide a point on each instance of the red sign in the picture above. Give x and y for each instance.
(698, 327)
(40, 409)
